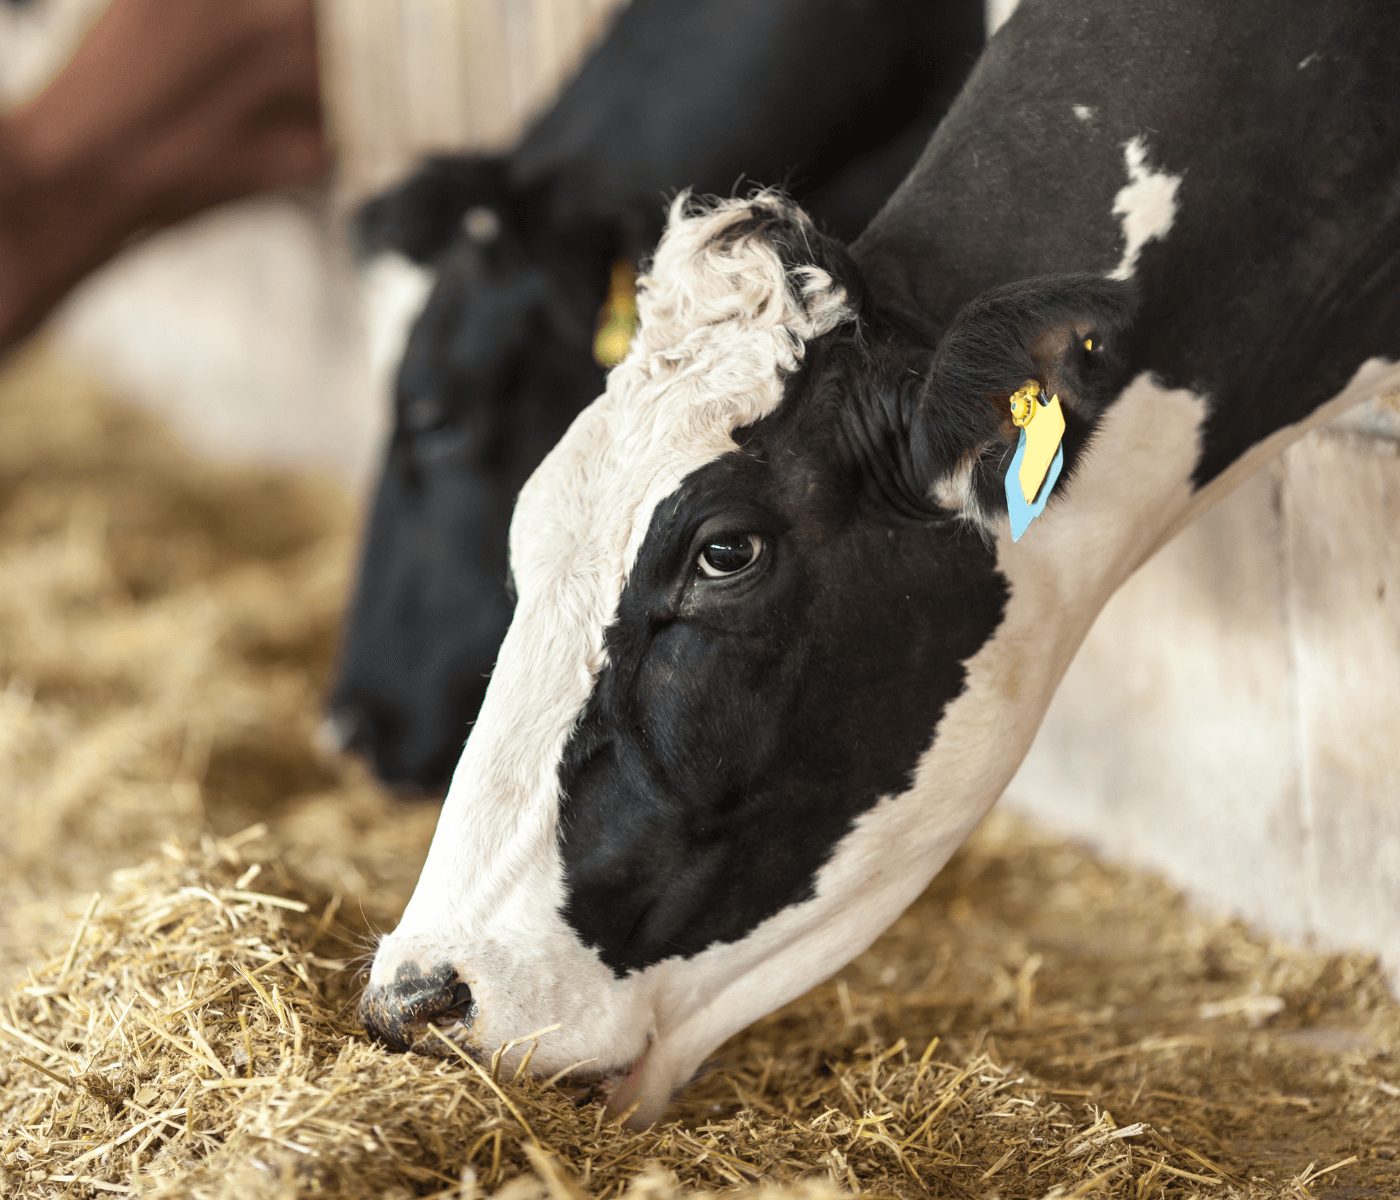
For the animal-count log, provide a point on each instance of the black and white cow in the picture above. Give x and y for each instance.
(487, 274)
(775, 651)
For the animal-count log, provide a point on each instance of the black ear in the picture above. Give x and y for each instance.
(422, 214)
(1063, 331)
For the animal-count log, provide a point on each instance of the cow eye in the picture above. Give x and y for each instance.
(729, 553)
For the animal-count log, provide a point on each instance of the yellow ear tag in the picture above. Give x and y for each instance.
(1042, 423)
(617, 319)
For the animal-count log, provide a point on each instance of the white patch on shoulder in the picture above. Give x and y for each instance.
(1146, 205)
(393, 292)
(723, 322)
(1082, 112)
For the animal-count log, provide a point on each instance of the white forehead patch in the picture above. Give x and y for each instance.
(723, 322)
(393, 291)
(1082, 112)
(1146, 205)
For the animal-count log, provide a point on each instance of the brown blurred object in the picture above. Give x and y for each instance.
(167, 108)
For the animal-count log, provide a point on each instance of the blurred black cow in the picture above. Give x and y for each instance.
(494, 267)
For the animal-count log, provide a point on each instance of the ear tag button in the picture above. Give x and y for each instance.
(1039, 458)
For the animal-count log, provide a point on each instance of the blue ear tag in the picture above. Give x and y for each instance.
(1022, 512)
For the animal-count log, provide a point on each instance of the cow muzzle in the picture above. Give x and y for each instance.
(401, 1012)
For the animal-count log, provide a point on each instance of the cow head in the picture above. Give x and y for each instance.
(482, 298)
(738, 721)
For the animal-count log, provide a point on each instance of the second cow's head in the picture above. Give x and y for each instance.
(716, 757)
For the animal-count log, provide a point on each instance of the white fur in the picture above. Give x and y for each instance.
(1146, 205)
(1082, 112)
(393, 291)
(997, 12)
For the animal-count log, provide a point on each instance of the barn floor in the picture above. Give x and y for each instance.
(1039, 1024)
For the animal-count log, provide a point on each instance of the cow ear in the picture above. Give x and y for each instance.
(423, 213)
(1063, 332)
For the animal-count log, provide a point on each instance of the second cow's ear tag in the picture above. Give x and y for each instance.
(617, 320)
(1039, 458)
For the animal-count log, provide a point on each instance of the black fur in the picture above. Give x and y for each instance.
(486, 387)
(741, 727)
(1031, 329)
(1281, 273)
(422, 215)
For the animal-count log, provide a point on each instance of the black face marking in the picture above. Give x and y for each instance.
(743, 724)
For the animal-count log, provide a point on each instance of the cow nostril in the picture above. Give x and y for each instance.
(458, 1008)
(399, 1012)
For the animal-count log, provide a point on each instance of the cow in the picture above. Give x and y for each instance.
(494, 268)
(776, 649)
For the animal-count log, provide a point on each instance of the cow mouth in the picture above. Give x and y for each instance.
(616, 1089)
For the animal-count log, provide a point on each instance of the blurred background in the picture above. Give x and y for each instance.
(1230, 721)
(243, 325)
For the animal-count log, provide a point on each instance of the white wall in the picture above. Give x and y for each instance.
(243, 328)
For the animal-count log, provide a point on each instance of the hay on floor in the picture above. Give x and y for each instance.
(1037, 1025)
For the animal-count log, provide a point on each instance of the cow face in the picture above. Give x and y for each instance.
(719, 753)
(484, 319)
